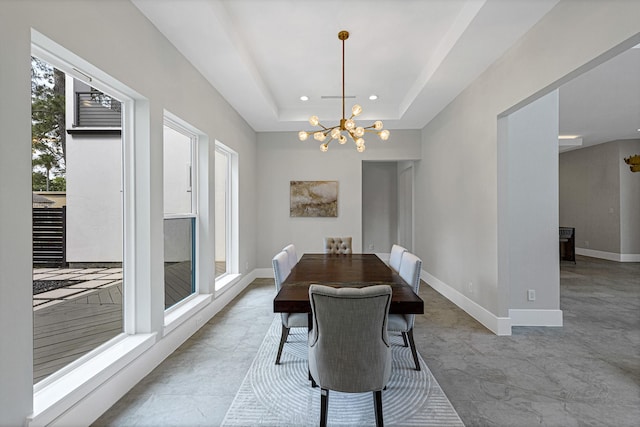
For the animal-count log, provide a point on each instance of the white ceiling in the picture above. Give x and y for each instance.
(603, 104)
(416, 55)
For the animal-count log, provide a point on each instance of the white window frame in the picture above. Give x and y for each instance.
(61, 390)
(172, 121)
(231, 226)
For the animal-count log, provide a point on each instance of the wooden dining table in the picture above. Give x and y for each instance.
(336, 270)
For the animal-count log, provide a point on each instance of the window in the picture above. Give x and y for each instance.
(120, 183)
(226, 216)
(78, 219)
(179, 151)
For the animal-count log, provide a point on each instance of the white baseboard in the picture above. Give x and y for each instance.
(264, 273)
(611, 256)
(87, 407)
(497, 325)
(629, 257)
(528, 317)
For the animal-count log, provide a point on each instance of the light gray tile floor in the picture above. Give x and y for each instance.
(586, 373)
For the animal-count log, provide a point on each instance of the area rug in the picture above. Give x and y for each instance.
(281, 395)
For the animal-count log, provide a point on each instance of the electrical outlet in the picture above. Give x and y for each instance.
(470, 287)
(246, 266)
(371, 247)
(586, 243)
(531, 295)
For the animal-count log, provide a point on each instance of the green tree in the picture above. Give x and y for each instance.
(48, 161)
(59, 183)
(38, 181)
(48, 134)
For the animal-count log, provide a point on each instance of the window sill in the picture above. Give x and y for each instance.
(184, 312)
(226, 280)
(95, 130)
(62, 390)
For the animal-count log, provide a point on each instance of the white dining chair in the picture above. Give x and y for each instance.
(395, 257)
(410, 268)
(289, 320)
(292, 255)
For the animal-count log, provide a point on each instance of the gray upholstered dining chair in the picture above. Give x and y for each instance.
(337, 245)
(292, 255)
(348, 344)
(289, 320)
(410, 268)
(395, 257)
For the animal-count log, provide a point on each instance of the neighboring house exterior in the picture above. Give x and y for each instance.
(94, 179)
(94, 198)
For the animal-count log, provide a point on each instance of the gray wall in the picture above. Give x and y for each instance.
(600, 197)
(528, 230)
(629, 202)
(283, 158)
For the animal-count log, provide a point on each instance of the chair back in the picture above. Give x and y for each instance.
(280, 268)
(410, 267)
(292, 255)
(396, 257)
(337, 245)
(348, 344)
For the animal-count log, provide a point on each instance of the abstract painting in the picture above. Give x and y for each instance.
(314, 199)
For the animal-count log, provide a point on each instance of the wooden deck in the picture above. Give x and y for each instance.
(72, 327)
(177, 282)
(65, 331)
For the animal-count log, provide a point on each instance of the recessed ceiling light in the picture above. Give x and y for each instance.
(304, 98)
(373, 97)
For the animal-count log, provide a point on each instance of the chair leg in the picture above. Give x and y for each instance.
(414, 352)
(283, 339)
(404, 338)
(377, 398)
(324, 404)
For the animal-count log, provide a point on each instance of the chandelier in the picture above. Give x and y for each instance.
(347, 126)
